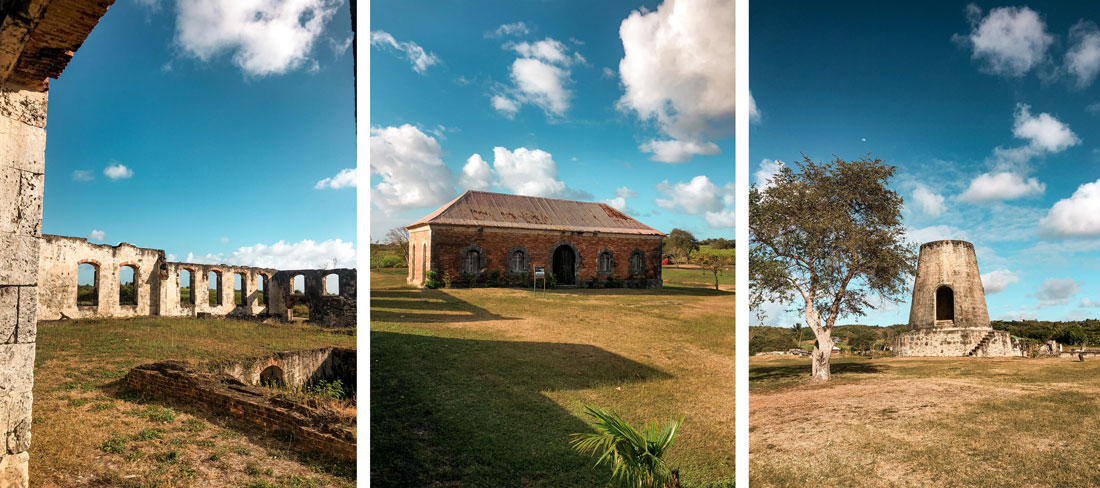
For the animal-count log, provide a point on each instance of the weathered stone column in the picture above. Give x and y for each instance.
(22, 163)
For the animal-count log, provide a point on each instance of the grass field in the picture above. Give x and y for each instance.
(482, 387)
(925, 422)
(89, 431)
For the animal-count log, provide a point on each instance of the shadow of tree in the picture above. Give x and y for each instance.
(425, 305)
(463, 412)
(802, 370)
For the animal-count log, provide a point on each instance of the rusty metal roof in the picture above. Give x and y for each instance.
(485, 209)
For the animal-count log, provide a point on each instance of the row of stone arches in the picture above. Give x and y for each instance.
(88, 284)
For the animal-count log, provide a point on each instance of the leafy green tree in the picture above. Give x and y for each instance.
(635, 457)
(830, 235)
(680, 244)
(712, 263)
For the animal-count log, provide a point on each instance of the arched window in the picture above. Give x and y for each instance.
(517, 261)
(261, 284)
(605, 262)
(472, 263)
(186, 286)
(240, 289)
(331, 284)
(945, 303)
(637, 263)
(127, 285)
(424, 261)
(87, 284)
(298, 285)
(214, 281)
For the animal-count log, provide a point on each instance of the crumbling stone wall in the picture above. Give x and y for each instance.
(60, 258)
(311, 430)
(172, 306)
(326, 310)
(446, 246)
(298, 367)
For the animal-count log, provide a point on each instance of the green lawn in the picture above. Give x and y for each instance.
(89, 431)
(483, 386)
(925, 422)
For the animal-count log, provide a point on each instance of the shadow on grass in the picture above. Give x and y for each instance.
(425, 305)
(462, 412)
(666, 290)
(799, 371)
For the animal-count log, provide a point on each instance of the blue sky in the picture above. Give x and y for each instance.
(184, 128)
(989, 110)
(543, 99)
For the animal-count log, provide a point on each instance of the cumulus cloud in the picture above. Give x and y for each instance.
(676, 70)
(549, 50)
(117, 171)
(506, 106)
(1009, 41)
(346, 178)
(619, 202)
(997, 281)
(768, 169)
(1056, 291)
(83, 175)
(420, 59)
(990, 187)
(413, 173)
(1043, 131)
(513, 29)
(1083, 56)
(96, 235)
(695, 197)
(1076, 216)
(476, 174)
(929, 202)
(531, 172)
(723, 219)
(542, 84)
(677, 151)
(264, 37)
(282, 255)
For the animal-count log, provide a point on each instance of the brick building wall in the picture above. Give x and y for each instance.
(448, 245)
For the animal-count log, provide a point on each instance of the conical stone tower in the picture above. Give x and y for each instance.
(948, 316)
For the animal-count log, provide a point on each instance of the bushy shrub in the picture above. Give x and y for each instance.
(612, 283)
(392, 262)
(447, 280)
(494, 277)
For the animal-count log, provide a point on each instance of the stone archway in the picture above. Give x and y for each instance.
(945, 303)
(565, 263)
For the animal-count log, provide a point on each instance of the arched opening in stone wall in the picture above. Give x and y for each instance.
(945, 303)
(240, 290)
(471, 263)
(87, 284)
(272, 377)
(127, 286)
(564, 267)
(331, 284)
(214, 282)
(186, 286)
(298, 285)
(261, 286)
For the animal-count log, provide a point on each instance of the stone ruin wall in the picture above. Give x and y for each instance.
(297, 367)
(955, 343)
(158, 282)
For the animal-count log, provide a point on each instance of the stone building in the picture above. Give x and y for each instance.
(948, 316)
(171, 289)
(577, 242)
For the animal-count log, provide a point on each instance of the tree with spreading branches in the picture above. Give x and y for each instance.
(399, 237)
(831, 236)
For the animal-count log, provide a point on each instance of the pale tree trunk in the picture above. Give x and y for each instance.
(823, 345)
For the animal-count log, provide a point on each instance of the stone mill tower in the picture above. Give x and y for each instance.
(948, 316)
(948, 292)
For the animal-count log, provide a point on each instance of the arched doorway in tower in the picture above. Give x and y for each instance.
(945, 303)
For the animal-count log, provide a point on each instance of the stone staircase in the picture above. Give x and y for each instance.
(983, 343)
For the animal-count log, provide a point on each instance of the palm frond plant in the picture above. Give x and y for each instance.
(635, 457)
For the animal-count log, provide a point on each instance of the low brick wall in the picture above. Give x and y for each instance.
(310, 429)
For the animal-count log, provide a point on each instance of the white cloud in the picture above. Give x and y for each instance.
(421, 60)
(83, 175)
(608, 72)
(997, 281)
(929, 202)
(768, 169)
(549, 50)
(1056, 291)
(1090, 303)
(476, 174)
(1076, 216)
(306, 254)
(695, 197)
(413, 174)
(1043, 131)
(1083, 56)
(340, 47)
(265, 37)
(1010, 41)
(990, 187)
(935, 233)
(723, 219)
(624, 192)
(676, 151)
(505, 105)
(531, 172)
(117, 171)
(346, 178)
(754, 112)
(676, 68)
(515, 28)
(96, 235)
(542, 84)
